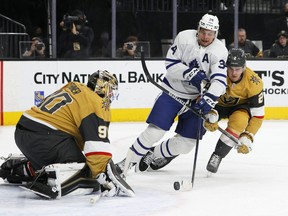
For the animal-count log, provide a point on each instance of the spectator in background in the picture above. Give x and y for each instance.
(38, 32)
(284, 22)
(128, 49)
(274, 25)
(104, 45)
(250, 49)
(280, 48)
(75, 38)
(36, 50)
(224, 5)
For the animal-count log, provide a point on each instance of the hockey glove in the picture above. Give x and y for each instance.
(108, 188)
(112, 184)
(195, 77)
(16, 169)
(211, 122)
(205, 104)
(246, 140)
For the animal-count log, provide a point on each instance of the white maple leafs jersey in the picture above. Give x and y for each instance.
(185, 54)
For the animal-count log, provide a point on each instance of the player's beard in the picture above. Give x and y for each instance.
(204, 43)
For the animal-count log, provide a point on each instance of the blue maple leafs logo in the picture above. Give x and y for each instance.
(194, 64)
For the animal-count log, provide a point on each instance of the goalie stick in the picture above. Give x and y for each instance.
(182, 102)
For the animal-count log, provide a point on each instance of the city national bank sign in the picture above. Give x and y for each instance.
(34, 80)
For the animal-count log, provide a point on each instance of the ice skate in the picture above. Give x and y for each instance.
(213, 163)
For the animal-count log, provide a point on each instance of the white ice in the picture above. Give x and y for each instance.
(245, 185)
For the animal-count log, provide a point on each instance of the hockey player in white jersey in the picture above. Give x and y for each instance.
(196, 56)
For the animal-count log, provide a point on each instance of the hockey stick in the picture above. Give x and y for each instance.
(182, 102)
(196, 150)
(197, 144)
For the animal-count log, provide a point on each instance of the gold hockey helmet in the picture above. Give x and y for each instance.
(103, 83)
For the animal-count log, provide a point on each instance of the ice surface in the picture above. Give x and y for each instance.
(245, 185)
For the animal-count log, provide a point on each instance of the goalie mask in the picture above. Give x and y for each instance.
(104, 84)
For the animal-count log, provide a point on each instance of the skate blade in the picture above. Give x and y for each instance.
(209, 174)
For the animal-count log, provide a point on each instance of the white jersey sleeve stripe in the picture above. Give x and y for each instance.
(259, 111)
(97, 146)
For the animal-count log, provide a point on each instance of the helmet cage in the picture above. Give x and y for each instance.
(104, 84)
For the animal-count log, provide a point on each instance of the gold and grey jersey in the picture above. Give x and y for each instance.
(77, 110)
(249, 90)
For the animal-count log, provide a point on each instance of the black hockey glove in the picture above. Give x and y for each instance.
(16, 169)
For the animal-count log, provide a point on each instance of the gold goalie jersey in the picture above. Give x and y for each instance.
(77, 110)
(248, 92)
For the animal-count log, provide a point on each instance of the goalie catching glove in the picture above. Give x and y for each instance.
(211, 122)
(195, 77)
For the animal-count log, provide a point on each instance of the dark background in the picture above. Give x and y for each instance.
(147, 25)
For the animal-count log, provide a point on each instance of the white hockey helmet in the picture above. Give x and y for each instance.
(209, 22)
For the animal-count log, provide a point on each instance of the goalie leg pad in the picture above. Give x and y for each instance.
(49, 189)
(63, 179)
(80, 183)
(71, 178)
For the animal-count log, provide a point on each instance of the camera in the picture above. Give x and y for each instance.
(39, 46)
(69, 20)
(130, 46)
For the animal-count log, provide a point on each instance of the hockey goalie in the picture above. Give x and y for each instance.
(65, 145)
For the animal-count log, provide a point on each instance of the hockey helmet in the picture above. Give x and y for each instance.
(236, 58)
(209, 22)
(103, 83)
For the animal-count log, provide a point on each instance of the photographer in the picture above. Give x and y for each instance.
(128, 50)
(75, 38)
(37, 48)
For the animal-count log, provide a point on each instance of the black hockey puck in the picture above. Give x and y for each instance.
(176, 185)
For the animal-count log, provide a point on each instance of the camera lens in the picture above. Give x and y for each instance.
(130, 46)
(39, 46)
